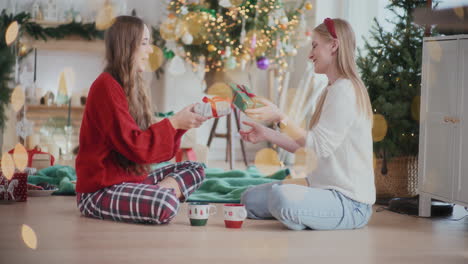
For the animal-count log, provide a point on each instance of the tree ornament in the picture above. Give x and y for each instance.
(168, 54)
(263, 63)
(187, 38)
(308, 6)
(211, 48)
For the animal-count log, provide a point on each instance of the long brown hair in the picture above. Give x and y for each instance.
(346, 62)
(122, 40)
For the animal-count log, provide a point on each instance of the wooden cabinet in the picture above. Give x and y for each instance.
(443, 145)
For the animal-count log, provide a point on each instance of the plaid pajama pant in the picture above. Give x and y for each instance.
(144, 202)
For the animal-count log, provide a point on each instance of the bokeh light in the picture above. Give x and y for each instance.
(379, 130)
(20, 157)
(17, 98)
(267, 161)
(8, 166)
(155, 60)
(29, 236)
(11, 33)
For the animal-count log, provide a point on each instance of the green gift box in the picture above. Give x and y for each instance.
(243, 98)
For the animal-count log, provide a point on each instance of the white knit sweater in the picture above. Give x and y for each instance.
(342, 141)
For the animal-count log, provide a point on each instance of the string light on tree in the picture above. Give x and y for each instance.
(241, 25)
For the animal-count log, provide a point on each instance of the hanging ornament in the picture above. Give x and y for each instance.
(308, 6)
(211, 48)
(11, 33)
(263, 63)
(155, 59)
(176, 66)
(225, 3)
(17, 98)
(187, 39)
(230, 63)
(24, 128)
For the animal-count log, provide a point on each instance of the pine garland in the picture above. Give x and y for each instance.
(391, 70)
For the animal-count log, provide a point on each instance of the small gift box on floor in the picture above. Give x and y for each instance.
(14, 189)
(38, 159)
(243, 98)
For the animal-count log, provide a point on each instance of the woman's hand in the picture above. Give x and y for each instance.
(256, 134)
(187, 119)
(269, 112)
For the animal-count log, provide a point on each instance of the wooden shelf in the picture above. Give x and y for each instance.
(53, 107)
(68, 44)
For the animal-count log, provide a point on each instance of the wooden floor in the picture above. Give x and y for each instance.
(64, 236)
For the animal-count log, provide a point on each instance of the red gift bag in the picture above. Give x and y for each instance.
(15, 189)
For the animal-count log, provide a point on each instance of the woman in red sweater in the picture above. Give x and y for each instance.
(119, 139)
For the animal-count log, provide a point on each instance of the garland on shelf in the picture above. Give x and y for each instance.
(8, 54)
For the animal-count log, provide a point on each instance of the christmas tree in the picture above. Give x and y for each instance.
(390, 67)
(227, 34)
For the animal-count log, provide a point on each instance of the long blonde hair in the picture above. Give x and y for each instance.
(122, 40)
(346, 62)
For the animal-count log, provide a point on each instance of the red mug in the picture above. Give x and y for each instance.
(234, 215)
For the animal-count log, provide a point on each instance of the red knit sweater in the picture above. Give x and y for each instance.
(107, 128)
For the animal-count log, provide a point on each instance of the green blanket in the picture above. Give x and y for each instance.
(58, 175)
(227, 186)
(219, 186)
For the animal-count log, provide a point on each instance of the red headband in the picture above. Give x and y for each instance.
(330, 26)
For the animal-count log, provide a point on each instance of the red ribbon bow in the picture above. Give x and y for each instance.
(244, 90)
(213, 102)
(330, 26)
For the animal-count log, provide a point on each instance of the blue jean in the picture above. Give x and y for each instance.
(300, 207)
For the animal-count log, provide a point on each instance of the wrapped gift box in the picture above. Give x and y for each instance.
(15, 189)
(38, 159)
(243, 98)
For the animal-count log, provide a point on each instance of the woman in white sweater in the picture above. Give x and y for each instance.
(340, 192)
